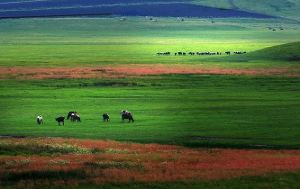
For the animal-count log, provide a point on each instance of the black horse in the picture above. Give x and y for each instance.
(105, 117)
(60, 119)
(127, 115)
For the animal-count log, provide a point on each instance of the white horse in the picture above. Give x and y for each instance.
(39, 119)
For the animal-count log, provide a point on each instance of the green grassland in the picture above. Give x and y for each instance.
(179, 109)
(87, 41)
(194, 110)
(232, 111)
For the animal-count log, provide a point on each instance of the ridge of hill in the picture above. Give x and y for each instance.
(287, 9)
(159, 8)
(285, 52)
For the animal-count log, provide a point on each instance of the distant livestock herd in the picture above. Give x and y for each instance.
(74, 117)
(198, 53)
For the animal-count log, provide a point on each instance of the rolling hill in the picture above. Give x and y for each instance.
(159, 8)
(285, 52)
(279, 53)
(287, 9)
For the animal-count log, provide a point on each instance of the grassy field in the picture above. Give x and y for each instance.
(85, 42)
(246, 110)
(178, 109)
(243, 101)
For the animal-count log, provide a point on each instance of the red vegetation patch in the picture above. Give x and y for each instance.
(133, 70)
(152, 69)
(73, 161)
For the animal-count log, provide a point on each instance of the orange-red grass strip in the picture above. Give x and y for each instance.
(133, 70)
(127, 162)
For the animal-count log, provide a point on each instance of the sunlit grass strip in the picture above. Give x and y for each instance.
(38, 148)
(17, 162)
(46, 149)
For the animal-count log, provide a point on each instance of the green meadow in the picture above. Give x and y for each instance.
(92, 41)
(207, 110)
(192, 110)
(239, 111)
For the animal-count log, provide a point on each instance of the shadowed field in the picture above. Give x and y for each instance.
(157, 8)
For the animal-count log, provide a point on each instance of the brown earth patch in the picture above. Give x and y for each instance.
(132, 70)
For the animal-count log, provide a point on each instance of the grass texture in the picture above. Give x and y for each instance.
(234, 103)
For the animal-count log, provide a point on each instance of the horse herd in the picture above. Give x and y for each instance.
(74, 117)
(198, 53)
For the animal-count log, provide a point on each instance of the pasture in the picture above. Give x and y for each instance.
(242, 111)
(104, 65)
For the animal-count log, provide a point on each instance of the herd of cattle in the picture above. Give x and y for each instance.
(198, 53)
(74, 117)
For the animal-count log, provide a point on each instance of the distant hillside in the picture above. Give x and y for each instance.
(285, 52)
(288, 9)
(157, 8)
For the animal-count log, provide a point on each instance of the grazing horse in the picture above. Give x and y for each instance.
(70, 113)
(127, 115)
(105, 117)
(239, 52)
(163, 53)
(60, 119)
(39, 120)
(75, 117)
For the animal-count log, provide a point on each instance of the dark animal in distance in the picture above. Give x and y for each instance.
(201, 53)
(206, 53)
(60, 119)
(105, 117)
(180, 53)
(75, 117)
(39, 120)
(239, 52)
(164, 53)
(127, 115)
(70, 113)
